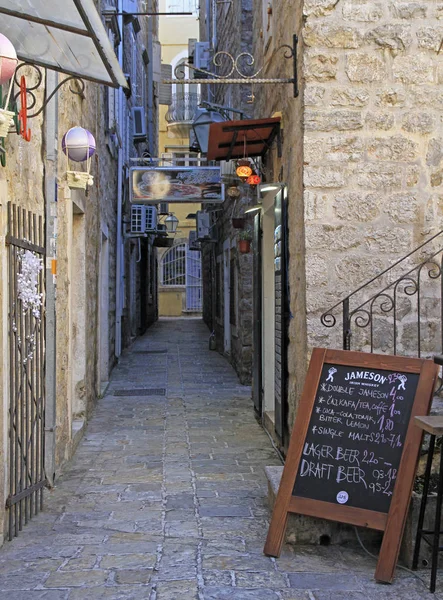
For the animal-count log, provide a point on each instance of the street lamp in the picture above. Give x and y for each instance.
(201, 125)
(171, 223)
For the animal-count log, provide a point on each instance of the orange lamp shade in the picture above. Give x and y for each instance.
(253, 179)
(243, 171)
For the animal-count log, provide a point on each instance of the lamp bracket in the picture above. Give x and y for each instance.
(28, 100)
(32, 88)
(239, 70)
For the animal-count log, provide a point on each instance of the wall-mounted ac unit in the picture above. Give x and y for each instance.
(202, 59)
(193, 243)
(143, 218)
(139, 123)
(203, 225)
(227, 170)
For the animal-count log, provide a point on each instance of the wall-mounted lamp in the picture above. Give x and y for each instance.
(269, 187)
(171, 223)
(79, 145)
(253, 209)
(8, 64)
(201, 126)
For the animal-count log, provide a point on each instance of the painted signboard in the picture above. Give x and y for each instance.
(151, 185)
(354, 447)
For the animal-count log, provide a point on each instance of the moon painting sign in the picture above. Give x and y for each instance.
(176, 184)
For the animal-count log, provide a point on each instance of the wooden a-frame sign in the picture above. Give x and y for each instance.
(358, 380)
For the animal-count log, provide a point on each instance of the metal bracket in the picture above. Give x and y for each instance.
(31, 89)
(236, 66)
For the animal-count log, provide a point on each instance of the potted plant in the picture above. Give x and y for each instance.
(244, 241)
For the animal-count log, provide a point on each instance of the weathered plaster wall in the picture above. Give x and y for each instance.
(373, 142)
(99, 208)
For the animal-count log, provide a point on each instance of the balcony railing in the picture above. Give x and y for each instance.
(183, 108)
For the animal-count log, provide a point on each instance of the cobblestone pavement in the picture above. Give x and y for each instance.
(166, 498)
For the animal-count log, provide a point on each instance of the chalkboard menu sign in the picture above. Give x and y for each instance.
(356, 436)
(354, 447)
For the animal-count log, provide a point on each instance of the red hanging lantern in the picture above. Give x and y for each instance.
(253, 179)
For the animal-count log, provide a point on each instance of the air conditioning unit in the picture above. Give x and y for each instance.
(227, 170)
(203, 225)
(193, 243)
(139, 123)
(202, 60)
(143, 218)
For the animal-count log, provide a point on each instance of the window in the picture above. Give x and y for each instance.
(174, 266)
(183, 6)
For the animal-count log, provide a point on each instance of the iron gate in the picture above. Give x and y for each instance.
(25, 239)
(194, 284)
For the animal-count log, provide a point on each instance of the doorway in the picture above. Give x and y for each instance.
(104, 313)
(227, 295)
(271, 309)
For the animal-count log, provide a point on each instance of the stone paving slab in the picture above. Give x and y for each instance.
(166, 499)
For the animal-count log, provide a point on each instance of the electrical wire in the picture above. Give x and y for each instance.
(398, 566)
(279, 454)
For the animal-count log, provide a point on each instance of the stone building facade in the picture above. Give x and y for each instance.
(85, 240)
(362, 151)
(361, 161)
(227, 274)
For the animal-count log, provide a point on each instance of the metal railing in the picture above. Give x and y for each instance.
(182, 108)
(400, 310)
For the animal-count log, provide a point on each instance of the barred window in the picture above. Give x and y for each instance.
(174, 265)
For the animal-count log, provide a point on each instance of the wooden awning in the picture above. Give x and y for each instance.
(236, 139)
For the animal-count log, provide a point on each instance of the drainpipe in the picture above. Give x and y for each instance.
(150, 86)
(50, 190)
(119, 258)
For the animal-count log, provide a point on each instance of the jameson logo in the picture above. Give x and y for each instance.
(377, 377)
(366, 375)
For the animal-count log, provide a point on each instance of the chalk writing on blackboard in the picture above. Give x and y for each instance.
(355, 437)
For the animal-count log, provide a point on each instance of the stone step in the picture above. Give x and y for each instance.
(313, 531)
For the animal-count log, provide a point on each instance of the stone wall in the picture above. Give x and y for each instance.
(362, 149)
(373, 142)
(270, 99)
(234, 35)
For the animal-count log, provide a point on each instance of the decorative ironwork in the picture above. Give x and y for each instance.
(31, 89)
(27, 479)
(182, 108)
(406, 315)
(28, 101)
(239, 70)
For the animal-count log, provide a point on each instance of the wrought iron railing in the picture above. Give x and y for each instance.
(400, 310)
(182, 108)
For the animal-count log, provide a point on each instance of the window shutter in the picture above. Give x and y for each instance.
(165, 89)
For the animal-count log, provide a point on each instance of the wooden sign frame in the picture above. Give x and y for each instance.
(391, 523)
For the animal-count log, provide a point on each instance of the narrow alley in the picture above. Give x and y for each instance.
(166, 497)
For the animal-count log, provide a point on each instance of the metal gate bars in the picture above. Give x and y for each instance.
(25, 240)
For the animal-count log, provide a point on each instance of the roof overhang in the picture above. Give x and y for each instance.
(66, 36)
(236, 139)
